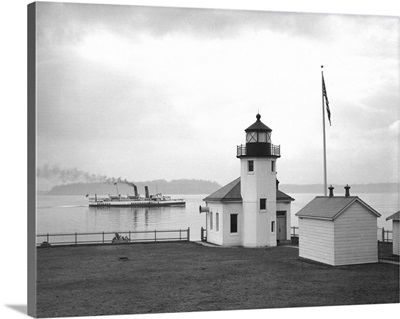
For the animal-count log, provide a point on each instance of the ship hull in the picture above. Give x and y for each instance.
(136, 203)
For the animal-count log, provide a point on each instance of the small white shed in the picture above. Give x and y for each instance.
(396, 232)
(338, 230)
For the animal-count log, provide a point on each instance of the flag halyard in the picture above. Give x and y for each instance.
(325, 94)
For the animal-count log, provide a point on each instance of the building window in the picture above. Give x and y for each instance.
(273, 166)
(263, 203)
(234, 226)
(272, 226)
(216, 221)
(250, 166)
(211, 221)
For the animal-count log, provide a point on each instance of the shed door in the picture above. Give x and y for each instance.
(281, 225)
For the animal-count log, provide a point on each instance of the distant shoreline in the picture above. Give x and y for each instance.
(174, 187)
(199, 187)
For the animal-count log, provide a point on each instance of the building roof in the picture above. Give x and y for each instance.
(231, 192)
(325, 207)
(395, 216)
(281, 196)
(258, 125)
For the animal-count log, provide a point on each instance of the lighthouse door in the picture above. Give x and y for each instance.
(281, 225)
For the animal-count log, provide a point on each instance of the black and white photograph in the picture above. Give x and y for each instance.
(187, 160)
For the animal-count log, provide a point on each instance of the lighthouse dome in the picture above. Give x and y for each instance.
(258, 126)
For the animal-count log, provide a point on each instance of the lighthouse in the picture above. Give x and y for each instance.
(258, 159)
(250, 211)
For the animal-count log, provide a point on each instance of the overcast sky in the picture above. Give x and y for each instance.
(149, 93)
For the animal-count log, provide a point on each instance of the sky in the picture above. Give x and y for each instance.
(147, 93)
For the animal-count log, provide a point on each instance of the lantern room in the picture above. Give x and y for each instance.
(258, 141)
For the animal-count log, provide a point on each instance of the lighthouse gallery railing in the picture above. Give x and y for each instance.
(275, 150)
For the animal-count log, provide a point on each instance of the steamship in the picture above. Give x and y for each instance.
(157, 200)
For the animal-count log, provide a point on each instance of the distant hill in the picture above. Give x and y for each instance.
(339, 189)
(181, 186)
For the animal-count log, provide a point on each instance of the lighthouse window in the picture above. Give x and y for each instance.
(250, 166)
(262, 137)
(273, 166)
(234, 223)
(269, 137)
(251, 137)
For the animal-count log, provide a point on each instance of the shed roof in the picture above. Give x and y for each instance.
(325, 207)
(231, 192)
(395, 216)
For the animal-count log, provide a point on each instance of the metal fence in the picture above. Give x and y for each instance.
(121, 237)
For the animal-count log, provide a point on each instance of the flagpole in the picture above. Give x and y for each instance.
(324, 138)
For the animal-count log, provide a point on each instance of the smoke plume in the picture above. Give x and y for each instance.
(74, 175)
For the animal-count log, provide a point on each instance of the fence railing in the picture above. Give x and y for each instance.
(203, 234)
(295, 231)
(121, 237)
(385, 235)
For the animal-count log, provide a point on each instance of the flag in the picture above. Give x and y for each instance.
(328, 110)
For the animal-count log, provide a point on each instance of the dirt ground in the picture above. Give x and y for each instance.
(176, 277)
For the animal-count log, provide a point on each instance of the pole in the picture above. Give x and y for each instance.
(323, 124)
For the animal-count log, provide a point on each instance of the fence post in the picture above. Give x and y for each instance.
(48, 240)
(155, 235)
(383, 234)
(188, 234)
(103, 237)
(180, 234)
(129, 236)
(76, 239)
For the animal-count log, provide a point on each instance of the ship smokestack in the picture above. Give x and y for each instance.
(331, 188)
(146, 189)
(136, 192)
(347, 188)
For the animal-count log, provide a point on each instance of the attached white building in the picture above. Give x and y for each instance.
(338, 230)
(396, 232)
(251, 211)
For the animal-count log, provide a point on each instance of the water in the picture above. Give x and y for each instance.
(70, 214)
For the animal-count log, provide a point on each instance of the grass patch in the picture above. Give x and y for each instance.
(175, 277)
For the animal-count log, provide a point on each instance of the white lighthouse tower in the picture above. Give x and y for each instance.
(258, 186)
(250, 211)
